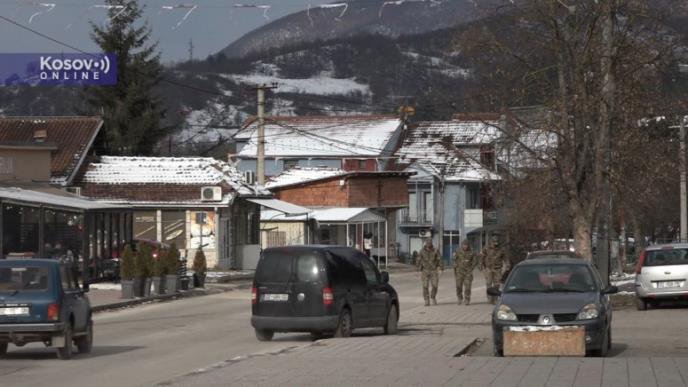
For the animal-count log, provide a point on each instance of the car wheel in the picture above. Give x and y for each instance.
(264, 334)
(318, 335)
(640, 304)
(496, 351)
(605, 345)
(609, 338)
(3, 349)
(345, 325)
(392, 321)
(65, 352)
(85, 343)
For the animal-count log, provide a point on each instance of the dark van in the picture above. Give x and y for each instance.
(322, 290)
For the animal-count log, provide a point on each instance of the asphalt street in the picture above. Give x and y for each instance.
(154, 343)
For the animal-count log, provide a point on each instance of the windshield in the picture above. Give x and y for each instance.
(666, 257)
(551, 278)
(13, 279)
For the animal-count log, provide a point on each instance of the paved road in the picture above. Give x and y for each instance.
(154, 343)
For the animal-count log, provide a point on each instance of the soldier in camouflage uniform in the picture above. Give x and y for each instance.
(464, 264)
(494, 261)
(429, 261)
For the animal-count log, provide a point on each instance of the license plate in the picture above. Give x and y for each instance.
(669, 284)
(14, 311)
(276, 297)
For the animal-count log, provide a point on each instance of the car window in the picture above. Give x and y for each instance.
(551, 278)
(370, 272)
(309, 268)
(345, 270)
(23, 278)
(666, 257)
(274, 266)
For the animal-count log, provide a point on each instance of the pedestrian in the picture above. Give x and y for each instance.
(465, 261)
(494, 262)
(368, 244)
(429, 262)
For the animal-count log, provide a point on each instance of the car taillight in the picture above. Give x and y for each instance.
(53, 312)
(328, 296)
(641, 262)
(254, 295)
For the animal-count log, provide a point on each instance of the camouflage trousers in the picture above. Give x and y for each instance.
(431, 280)
(492, 278)
(463, 285)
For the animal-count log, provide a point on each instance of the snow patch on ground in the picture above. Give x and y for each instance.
(322, 84)
(106, 286)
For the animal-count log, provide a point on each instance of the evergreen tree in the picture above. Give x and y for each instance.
(131, 111)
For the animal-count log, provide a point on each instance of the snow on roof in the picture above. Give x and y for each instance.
(325, 215)
(62, 200)
(298, 175)
(326, 136)
(281, 206)
(167, 170)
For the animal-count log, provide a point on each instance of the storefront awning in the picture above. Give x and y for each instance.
(284, 207)
(341, 215)
(55, 200)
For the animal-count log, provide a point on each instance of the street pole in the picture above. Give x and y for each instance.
(260, 168)
(440, 241)
(682, 168)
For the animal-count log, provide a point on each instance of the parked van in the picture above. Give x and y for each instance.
(322, 290)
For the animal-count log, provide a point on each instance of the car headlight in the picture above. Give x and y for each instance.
(589, 312)
(505, 313)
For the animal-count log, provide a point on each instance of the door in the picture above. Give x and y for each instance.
(377, 296)
(273, 284)
(307, 288)
(74, 300)
(415, 244)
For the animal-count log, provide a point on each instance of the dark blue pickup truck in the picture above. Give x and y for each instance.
(41, 301)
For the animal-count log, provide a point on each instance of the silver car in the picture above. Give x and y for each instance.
(661, 274)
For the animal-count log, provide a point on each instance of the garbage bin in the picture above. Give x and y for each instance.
(185, 283)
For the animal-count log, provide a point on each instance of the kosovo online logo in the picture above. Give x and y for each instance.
(58, 69)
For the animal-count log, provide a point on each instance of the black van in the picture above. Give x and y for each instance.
(322, 290)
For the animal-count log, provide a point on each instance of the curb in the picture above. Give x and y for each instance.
(159, 298)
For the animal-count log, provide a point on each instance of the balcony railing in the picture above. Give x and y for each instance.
(419, 219)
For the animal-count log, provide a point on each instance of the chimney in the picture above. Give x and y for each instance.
(39, 135)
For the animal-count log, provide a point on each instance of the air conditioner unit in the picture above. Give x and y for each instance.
(250, 177)
(425, 233)
(211, 194)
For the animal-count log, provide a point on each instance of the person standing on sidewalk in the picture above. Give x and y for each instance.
(429, 262)
(494, 262)
(464, 264)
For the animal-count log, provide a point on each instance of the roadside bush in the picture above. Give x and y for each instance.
(199, 263)
(128, 264)
(160, 264)
(144, 261)
(172, 260)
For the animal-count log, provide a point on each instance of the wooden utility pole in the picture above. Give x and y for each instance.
(260, 167)
(682, 169)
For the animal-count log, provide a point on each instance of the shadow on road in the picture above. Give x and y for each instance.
(49, 353)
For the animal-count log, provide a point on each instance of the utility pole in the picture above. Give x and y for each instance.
(260, 167)
(682, 169)
(191, 48)
(440, 240)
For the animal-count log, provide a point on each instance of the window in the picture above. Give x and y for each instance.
(277, 238)
(274, 266)
(20, 228)
(427, 205)
(472, 197)
(370, 272)
(413, 207)
(174, 228)
(289, 164)
(309, 268)
(666, 257)
(145, 225)
(23, 278)
(362, 164)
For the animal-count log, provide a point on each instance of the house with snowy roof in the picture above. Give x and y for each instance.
(346, 208)
(450, 196)
(193, 202)
(351, 143)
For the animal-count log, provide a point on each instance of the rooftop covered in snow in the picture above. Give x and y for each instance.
(301, 175)
(321, 136)
(155, 179)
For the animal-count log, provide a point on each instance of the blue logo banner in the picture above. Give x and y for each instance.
(58, 69)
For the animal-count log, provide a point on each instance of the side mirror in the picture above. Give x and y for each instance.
(610, 290)
(385, 277)
(495, 292)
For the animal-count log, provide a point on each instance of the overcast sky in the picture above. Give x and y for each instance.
(212, 25)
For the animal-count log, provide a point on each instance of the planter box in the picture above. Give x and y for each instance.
(545, 341)
(199, 280)
(127, 289)
(147, 282)
(171, 283)
(159, 285)
(138, 287)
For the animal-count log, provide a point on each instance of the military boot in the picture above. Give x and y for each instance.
(427, 303)
(459, 302)
(434, 301)
(468, 301)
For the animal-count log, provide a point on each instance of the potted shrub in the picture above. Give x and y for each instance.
(127, 272)
(159, 272)
(200, 269)
(144, 263)
(172, 267)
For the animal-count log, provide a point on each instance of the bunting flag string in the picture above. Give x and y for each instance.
(265, 8)
(189, 7)
(336, 5)
(108, 7)
(47, 7)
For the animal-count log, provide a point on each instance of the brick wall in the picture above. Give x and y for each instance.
(357, 192)
(145, 192)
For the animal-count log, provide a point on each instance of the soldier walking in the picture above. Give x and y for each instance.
(494, 261)
(429, 262)
(464, 264)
